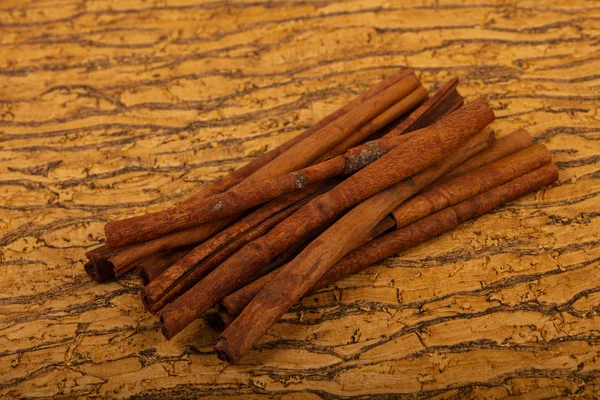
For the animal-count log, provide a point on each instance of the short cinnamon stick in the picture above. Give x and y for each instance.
(418, 151)
(239, 336)
(98, 268)
(444, 101)
(438, 223)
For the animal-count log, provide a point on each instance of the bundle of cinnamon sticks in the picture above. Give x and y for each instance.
(390, 170)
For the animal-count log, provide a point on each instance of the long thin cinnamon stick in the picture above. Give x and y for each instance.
(471, 184)
(207, 256)
(240, 335)
(300, 274)
(226, 182)
(504, 146)
(146, 227)
(444, 101)
(124, 259)
(418, 152)
(474, 181)
(100, 267)
(311, 148)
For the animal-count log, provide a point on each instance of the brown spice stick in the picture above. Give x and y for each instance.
(151, 267)
(226, 182)
(317, 144)
(471, 184)
(126, 232)
(444, 101)
(124, 259)
(233, 304)
(504, 146)
(342, 237)
(98, 267)
(383, 119)
(137, 252)
(418, 151)
(150, 226)
(235, 341)
(438, 223)
(463, 187)
(207, 256)
(146, 227)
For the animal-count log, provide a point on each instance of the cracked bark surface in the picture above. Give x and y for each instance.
(112, 109)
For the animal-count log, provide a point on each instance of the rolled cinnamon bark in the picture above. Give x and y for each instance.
(379, 122)
(226, 182)
(151, 267)
(150, 226)
(369, 211)
(125, 258)
(242, 198)
(461, 188)
(317, 144)
(207, 256)
(98, 267)
(504, 146)
(244, 330)
(419, 151)
(471, 184)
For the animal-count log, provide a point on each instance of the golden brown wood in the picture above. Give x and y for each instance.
(137, 103)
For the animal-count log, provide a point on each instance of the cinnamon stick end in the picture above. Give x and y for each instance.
(99, 271)
(148, 304)
(223, 353)
(165, 330)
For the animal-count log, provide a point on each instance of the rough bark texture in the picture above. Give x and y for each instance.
(110, 110)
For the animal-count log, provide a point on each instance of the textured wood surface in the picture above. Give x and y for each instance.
(110, 109)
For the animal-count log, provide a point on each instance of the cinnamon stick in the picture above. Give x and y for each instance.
(241, 333)
(461, 188)
(471, 184)
(311, 148)
(300, 274)
(207, 256)
(385, 118)
(150, 226)
(98, 268)
(232, 305)
(438, 223)
(123, 259)
(418, 151)
(151, 267)
(504, 146)
(226, 182)
(444, 101)
(147, 227)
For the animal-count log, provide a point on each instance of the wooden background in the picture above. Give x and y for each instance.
(113, 108)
